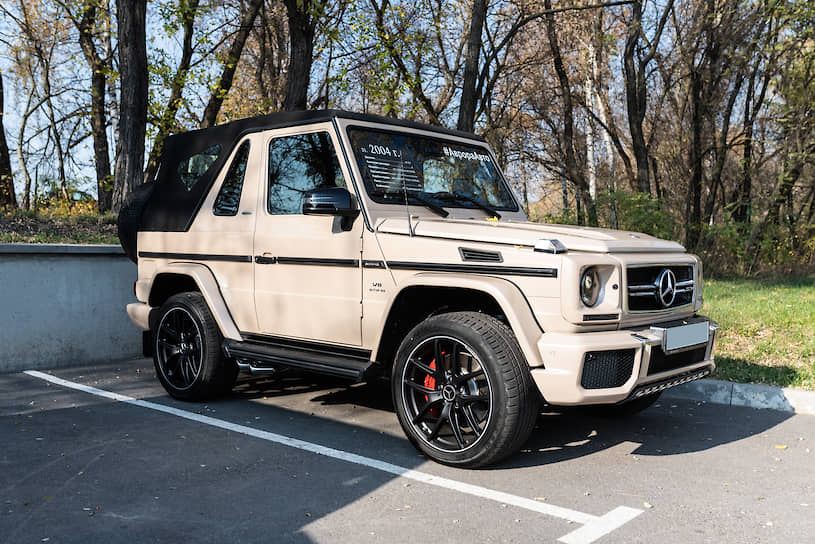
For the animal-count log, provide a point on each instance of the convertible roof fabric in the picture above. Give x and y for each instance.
(173, 205)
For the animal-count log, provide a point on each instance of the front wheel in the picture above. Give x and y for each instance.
(187, 350)
(462, 389)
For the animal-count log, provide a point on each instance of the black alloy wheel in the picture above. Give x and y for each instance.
(179, 348)
(187, 350)
(447, 394)
(462, 389)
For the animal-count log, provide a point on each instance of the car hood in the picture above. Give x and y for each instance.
(518, 233)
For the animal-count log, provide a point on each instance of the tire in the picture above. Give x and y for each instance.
(627, 409)
(187, 350)
(128, 222)
(475, 408)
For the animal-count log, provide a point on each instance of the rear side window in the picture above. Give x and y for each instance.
(193, 168)
(229, 197)
(298, 164)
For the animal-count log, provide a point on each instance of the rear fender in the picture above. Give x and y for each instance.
(208, 287)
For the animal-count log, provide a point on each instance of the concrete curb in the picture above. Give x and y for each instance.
(763, 397)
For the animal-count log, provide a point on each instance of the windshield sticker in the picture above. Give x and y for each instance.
(389, 174)
(467, 155)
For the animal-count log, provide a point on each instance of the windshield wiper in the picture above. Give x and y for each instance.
(430, 204)
(422, 199)
(458, 197)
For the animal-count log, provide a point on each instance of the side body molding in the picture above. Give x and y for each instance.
(208, 286)
(508, 296)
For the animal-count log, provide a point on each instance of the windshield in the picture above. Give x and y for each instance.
(393, 164)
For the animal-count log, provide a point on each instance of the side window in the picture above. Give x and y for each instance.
(191, 169)
(298, 164)
(229, 197)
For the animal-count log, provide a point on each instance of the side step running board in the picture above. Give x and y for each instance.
(262, 355)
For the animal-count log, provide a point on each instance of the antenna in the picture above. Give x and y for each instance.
(401, 175)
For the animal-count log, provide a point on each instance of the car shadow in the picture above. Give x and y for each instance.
(669, 427)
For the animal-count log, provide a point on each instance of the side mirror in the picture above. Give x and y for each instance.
(336, 201)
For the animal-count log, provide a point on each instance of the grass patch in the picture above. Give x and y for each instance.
(767, 330)
(54, 228)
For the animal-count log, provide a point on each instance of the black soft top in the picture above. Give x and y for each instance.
(172, 205)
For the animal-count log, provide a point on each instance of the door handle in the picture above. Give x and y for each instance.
(266, 258)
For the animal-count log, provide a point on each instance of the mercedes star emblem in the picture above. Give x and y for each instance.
(666, 287)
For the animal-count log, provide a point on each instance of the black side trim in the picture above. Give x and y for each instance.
(476, 269)
(265, 260)
(320, 262)
(266, 352)
(306, 345)
(196, 256)
(600, 317)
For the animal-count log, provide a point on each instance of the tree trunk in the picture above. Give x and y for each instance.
(301, 39)
(635, 98)
(573, 172)
(8, 199)
(218, 95)
(695, 157)
(133, 102)
(98, 112)
(466, 111)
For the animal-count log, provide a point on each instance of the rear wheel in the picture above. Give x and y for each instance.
(187, 350)
(462, 390)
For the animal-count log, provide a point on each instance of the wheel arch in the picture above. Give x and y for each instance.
(427, 294)
(174, 278)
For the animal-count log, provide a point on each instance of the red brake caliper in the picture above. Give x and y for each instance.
(430, 383)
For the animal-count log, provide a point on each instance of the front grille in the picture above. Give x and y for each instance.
(643, 287)
(660, 362)
(605, 369)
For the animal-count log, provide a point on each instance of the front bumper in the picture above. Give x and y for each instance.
(615, 366)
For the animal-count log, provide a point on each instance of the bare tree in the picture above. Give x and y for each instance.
(8, 199)
(230, 64)
(133, 105)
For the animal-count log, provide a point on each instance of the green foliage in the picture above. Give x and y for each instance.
(635, 211)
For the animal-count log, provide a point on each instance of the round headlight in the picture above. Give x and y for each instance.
(589, 287)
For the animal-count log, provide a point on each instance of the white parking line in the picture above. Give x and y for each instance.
(593, 527)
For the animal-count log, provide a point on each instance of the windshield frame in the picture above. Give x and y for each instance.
(474, 145)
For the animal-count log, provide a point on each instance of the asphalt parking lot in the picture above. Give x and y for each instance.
(301, 458)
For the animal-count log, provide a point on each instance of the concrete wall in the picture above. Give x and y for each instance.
(64, 305)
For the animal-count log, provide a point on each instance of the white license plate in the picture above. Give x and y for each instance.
(685, 335)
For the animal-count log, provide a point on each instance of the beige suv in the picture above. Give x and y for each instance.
(355, 245)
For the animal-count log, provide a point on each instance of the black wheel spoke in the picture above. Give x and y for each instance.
(423, 367)
(170, 348)
(454, 424)
(168, 331)
(438, 355)
(425, 409)
(445, 415)
(469, 399)
(182, 368)
(454, 357)
(471, 421)
(419, 387)
(469, 376)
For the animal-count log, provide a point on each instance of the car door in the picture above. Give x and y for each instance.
(307, 268)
